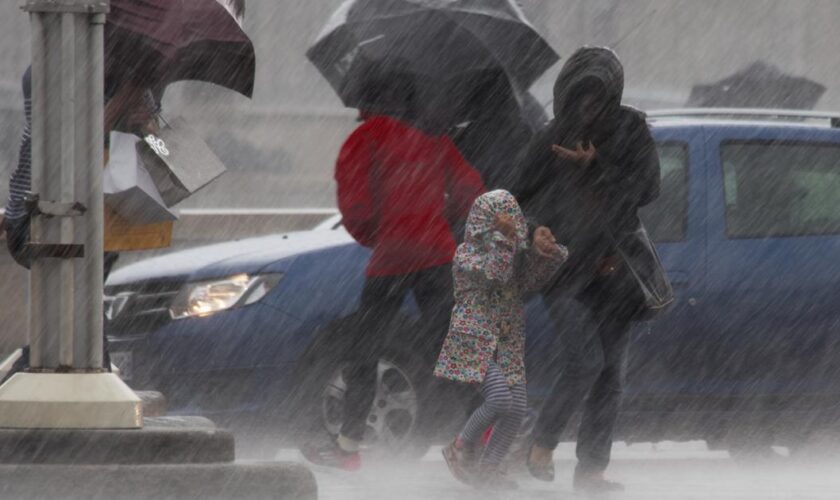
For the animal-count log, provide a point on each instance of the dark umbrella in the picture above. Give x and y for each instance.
(759, 85)
(432, 40)
(490, 94)
(534, 112)
(162, 41)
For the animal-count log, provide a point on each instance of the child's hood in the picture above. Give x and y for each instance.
(481, 223)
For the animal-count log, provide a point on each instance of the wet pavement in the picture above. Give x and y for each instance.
(678, 471)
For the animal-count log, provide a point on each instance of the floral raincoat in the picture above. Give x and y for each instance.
(492, 273)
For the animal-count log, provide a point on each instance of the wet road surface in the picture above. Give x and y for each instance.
(678, 471)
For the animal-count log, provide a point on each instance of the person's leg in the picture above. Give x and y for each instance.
(432, 289)
(595, 437)
(462, 454)
(497, 401)
(581, 360)
(507, 427)
(381, 300)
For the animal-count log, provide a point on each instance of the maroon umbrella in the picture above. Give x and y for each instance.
(157, 42)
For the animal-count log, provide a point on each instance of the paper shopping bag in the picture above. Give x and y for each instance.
(129, 189)
(179, 161)
(121, 235)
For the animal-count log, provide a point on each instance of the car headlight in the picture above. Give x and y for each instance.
(203, 298)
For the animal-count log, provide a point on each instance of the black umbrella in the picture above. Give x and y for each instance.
(490, 94)
(759, 85)
(433, 41)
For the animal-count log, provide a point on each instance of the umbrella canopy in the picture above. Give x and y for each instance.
(759, 85)
(489, 94)
(162, 41)
(435, 41)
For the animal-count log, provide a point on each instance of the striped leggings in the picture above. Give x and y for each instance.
(504, 408)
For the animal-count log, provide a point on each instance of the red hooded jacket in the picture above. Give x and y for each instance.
(397, 190)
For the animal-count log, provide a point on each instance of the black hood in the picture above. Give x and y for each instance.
(589, 63)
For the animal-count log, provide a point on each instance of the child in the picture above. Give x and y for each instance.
(493, 269)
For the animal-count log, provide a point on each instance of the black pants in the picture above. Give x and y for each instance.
(382, 299)
(593, 361)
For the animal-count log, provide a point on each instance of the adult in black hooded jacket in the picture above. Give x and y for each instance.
(500, 125)
(585, 176)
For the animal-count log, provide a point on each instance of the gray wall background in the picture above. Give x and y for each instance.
(280, 146)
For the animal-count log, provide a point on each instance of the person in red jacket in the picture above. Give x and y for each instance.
(400, 191)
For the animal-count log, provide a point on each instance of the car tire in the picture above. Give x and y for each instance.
(398, 423)
(396, 420)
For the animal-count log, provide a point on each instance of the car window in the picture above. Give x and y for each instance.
(781, 189)
(666, 218)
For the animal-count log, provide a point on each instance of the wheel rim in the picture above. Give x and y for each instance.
(393, 414)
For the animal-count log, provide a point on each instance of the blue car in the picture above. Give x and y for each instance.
(250, 333)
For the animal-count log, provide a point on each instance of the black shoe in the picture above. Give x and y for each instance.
(543, 472)
(331, 455)
(594, 482)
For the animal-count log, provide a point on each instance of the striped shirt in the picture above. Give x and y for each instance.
(20, 181)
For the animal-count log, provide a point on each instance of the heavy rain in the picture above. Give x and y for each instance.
(378, 249)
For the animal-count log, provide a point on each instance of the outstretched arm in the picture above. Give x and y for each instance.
(544, 258)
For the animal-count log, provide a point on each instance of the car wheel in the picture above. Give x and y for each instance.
(394, 421)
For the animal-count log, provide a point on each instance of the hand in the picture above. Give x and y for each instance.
(609, 265)
(582, 156)
(506, 225)
(544, 242)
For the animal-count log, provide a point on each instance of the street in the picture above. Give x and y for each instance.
(673, 471)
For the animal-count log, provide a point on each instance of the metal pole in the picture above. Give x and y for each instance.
(95, 232)
(66, 318)
(67, 188)
(39, 122)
